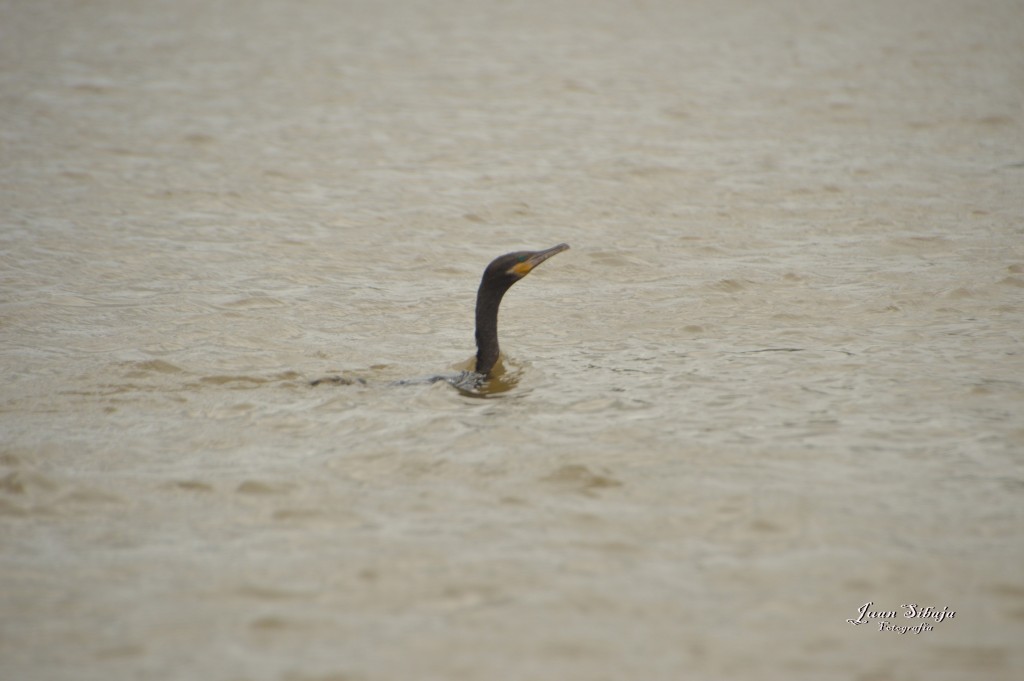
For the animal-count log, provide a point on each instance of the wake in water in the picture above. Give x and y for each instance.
(498, 278)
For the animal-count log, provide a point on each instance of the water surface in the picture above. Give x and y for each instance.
(777, 377)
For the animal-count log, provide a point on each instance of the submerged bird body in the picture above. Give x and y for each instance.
(498, 278)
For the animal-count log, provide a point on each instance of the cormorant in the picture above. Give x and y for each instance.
(498, 278)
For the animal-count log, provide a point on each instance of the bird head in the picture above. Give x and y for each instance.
(507, 269)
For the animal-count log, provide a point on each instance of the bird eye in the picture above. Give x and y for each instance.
(521, 258)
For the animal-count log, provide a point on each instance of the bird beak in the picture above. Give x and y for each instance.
(524, 268)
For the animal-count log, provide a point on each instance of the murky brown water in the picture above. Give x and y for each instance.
(777, 377)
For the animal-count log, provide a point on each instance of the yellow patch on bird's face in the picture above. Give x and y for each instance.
(522, 268)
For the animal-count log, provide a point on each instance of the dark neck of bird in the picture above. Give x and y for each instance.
(487, 351)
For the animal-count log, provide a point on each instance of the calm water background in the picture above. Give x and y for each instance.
(778, 376)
